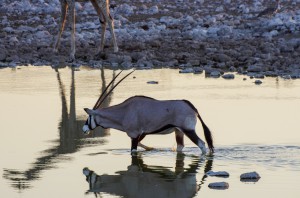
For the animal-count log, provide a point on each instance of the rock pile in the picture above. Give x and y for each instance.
(217, 36)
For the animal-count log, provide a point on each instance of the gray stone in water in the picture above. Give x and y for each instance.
(251, 176)
(215, 74)
(198, 70)
(228, 76)
(186, 70)
(258, 82)
(152, 82)
(217, 173)
(219, 185)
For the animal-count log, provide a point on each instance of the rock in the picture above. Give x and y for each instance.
(217, 173)
(228, 76)
(261, 76)
(251, 176)
(186, 70)
(215, 74)
(126, 64)
(219, 185)
(254, 68)
(258, 82)
(286, 77)
(2, 55)
(152, 82)
(198, 70)
(153, 10)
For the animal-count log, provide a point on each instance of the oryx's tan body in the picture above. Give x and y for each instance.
(139, 116)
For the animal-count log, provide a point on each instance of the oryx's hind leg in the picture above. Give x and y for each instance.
(147, 148)
(103, 25)
(195, 139)
(62, 23)
(179, 139)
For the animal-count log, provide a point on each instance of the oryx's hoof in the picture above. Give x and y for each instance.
(204, 150)
(134, 152)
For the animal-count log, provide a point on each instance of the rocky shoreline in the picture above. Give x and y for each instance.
(195, 36)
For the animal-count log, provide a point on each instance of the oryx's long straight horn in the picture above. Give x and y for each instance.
(98, 101)
(114, 87)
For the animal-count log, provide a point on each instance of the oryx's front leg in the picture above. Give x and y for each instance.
(134, 144)
(179, 140)
(147, 148)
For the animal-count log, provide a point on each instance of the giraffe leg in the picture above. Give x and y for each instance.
(103, 25)
(72, 21)
(62, 22)
(105, 10)
(112, 29)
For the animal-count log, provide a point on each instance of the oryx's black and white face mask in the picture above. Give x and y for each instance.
(90, 123)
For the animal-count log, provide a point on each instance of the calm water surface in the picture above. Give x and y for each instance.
(43, 150)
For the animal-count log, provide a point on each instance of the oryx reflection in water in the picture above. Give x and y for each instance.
(70, 138)
(142, 180)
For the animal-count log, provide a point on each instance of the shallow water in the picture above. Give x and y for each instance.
(43, 150)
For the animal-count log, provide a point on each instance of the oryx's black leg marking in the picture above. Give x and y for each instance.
(195, 139)
(142, 137)
(134, 144)
(179, 139)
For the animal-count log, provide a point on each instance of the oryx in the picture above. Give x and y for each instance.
(139, 116)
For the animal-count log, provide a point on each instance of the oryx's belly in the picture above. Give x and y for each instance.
(163, 131)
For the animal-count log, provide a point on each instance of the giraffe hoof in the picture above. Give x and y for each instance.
(116, 49)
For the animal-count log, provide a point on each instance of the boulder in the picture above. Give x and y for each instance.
(219, 185)
(250, 176)
(258, 82)
(217, 173)
(228, 76)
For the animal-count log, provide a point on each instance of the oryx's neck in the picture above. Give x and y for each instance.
(111, 117)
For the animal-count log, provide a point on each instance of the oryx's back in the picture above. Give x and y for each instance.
(152, 114)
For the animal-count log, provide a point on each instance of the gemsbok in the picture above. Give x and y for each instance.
(139, 116)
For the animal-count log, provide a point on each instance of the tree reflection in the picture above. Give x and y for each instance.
(71, 139)
(142, 180)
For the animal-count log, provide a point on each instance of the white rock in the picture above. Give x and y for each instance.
(250, 176)
(228, 76)
(217, 173)
(219, 185)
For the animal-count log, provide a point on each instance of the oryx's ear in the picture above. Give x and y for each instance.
(89, 111)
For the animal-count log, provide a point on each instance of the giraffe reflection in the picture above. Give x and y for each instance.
(142, 180)
(71, 139)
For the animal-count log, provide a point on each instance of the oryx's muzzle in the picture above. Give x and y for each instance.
(89, 125)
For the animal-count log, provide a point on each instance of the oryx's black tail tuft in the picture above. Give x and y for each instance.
(207, 134)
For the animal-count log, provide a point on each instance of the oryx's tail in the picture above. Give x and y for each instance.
(207, 134)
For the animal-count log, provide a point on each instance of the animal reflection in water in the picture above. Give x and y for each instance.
(71, 139)
(140, 116)
(142, 180)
